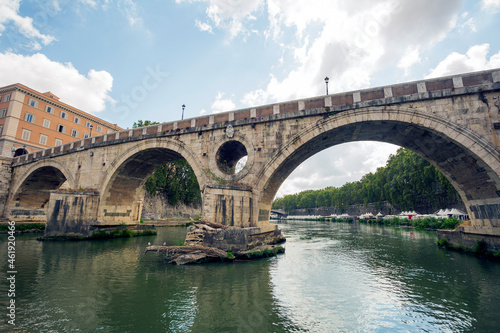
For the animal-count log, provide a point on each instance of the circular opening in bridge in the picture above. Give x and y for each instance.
(231, 157)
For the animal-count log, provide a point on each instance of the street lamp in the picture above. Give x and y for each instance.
(326, 81)
(183, 107)
(91, 126)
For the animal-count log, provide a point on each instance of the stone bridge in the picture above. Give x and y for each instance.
(453, 122)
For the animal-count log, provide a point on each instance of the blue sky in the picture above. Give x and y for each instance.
(125, 60)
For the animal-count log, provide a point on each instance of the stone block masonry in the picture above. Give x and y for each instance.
(5, 178)
(453, 122)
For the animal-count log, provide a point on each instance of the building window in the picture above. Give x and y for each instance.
(46, 123)
(109, 131)
(30, 118)
(49, 109)
(32, 103)
(85, 135)
(43, 139)
(1, 129)
(74, 133)
(61, 128)
(6, 98)
(99, 129)
(3, 112)
(58, 142)
(88, 124)
(76, 120)
(64, 115)
(26, 135)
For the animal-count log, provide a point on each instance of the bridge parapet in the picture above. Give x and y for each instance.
(388, 95)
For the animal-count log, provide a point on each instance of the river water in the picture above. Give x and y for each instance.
(333, 277)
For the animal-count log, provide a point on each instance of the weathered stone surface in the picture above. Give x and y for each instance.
(71, 213)
(157, 207)
(5, 177)
(190, 254)
(263, 251)
(233, 239)
(461, 238)
(428, 117)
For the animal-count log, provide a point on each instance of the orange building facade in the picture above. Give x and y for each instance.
(30, 120)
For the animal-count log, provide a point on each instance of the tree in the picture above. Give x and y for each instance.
(175, 180)
(406, 182)
(144, 123)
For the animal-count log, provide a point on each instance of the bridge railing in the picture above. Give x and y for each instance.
(417, 90)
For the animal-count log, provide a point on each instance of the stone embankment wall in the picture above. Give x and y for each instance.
(356, 210)
(5, 177)
(157, 207)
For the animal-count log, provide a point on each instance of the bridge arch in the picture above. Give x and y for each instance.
(31, 192)
(469, 161)
(123, 183)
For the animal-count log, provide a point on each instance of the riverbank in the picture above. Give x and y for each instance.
(427, 223)
(480, 249)
(109, 232)
(23, 227)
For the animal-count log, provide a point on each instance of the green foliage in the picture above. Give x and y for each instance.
(177, 182)
(120, 232)
(425, 223)
(144, 123)
(230, 254)
(24, 227)
(406, 182)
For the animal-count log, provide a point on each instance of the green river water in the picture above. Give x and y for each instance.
(333, 277)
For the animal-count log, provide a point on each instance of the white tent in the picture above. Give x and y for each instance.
(456, 212)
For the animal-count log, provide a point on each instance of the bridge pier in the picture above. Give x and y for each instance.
(71, 213)
(229, 205)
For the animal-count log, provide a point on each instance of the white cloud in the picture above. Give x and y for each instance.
(490, 4)
(230, 15)
(89, 92)
(220, 104)
(129, 10)
(203, 26)
(410, 58)
(9, 14)
(349, 42)
(91, 3)
(475, 59)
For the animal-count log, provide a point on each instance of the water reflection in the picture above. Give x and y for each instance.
(375, 278)
(112, 286)
(333, 277)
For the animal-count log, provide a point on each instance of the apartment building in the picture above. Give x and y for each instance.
(30, 120)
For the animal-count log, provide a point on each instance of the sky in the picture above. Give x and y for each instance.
(125, 60)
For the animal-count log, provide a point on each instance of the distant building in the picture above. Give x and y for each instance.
(30, 121)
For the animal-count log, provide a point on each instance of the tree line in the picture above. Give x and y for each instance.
(406, 182)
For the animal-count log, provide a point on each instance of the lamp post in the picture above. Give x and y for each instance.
(91, 126)
(183, 107)
(326, 81)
